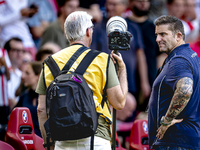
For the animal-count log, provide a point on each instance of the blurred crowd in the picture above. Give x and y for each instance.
(31, 30)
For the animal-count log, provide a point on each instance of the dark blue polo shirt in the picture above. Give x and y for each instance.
(181, 62)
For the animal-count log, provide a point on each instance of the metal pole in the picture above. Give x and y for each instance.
(114, 114)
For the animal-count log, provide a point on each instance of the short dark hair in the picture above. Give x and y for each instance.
(61, 2)
(175, 24)
(7, 44)
(170, 1)
(43, 52)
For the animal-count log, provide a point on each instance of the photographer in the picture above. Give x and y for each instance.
(99, 75)
(4, 102)
(133, 58)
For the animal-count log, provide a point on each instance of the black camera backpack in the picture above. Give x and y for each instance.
(71, 110)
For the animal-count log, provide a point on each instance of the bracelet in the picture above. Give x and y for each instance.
(163, 123)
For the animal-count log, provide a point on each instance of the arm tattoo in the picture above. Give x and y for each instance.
(182, 94)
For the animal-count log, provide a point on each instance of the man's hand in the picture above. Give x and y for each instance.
(162, 129)
(28, 12)
(119, 60)
(3, 63)
(182, 94)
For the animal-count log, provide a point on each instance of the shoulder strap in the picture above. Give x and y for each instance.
(55, 70)
(50, 62)
(86, 61)
(74, 57)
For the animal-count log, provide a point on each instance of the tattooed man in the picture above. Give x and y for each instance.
(174, 106)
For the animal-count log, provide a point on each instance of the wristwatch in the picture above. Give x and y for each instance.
(50, 144)
(163, 123)
(44, 145)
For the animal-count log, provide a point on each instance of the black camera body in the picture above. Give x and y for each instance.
(119, 40)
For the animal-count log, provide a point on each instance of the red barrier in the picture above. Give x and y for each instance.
(20, 131)
(139, 135)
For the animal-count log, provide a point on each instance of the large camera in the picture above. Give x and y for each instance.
(118, 36)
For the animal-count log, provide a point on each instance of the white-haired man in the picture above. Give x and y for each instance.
(100, 74)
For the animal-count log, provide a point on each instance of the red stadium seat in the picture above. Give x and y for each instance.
(118, 147)
(6, 146)
(139, 135)
(20, 131)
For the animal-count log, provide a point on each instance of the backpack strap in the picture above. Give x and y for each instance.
(74, 57)
(55, 70)
(86, 61)
(50, 62)
(81, 69)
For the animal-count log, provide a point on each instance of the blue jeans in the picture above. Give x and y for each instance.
(170, 148)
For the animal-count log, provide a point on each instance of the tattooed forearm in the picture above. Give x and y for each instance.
(182, 94)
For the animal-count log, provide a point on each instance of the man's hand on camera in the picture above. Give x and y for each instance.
(119, 60)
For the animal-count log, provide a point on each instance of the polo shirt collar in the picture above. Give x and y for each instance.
(177, 49)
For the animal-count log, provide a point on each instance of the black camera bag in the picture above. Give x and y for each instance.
(70, 105)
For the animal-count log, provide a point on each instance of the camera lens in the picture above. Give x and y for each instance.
(116, 23)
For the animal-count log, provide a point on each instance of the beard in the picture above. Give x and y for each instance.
(139, 12)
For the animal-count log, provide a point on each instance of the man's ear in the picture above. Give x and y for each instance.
(179, 36)
(88, 32)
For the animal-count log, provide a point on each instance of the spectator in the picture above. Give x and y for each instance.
(43, 54)
(192, 21)
(176, 8)
(140, 11)
(133, 57)
(158, 8)
(27, 58)
(51, 46)
(29, 98)
(54, 5)
(195, 46)
(13, 15)
(92, 7)
(5, 65)
(15, 50)
(41, 20)
(55, 31)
